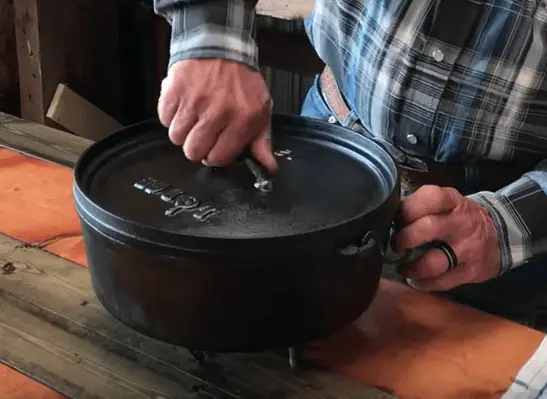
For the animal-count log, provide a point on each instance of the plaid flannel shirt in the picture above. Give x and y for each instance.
(465, 77)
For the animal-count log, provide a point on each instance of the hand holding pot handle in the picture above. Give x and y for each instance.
(411, 256)
(372, 243)
(453, 240)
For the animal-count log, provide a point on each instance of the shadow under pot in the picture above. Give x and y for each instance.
(231, 259)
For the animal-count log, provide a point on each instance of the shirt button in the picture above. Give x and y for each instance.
(411, 139)
(332, 119)
(438, 55)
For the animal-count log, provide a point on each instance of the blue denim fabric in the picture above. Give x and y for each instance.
(514, 295)
(316, 107)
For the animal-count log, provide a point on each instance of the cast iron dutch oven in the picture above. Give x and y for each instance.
(216, 259)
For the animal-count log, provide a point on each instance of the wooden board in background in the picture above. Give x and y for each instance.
(285, 9)
(80, 116)
(71, 41)
(40, 141)
(8, 54)
(53, 329)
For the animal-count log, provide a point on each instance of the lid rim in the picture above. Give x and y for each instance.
(213, 243)
(101, 216)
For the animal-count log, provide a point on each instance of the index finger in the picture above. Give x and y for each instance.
(427, 200)
(261, 147)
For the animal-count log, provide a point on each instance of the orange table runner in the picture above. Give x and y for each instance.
(412, 344)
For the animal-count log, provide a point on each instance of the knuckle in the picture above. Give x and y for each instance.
(192, 152)
(429, 223)
(166, 83)
(164, 120)
(176, 135)
(176, 138)
(250, 114)
(427, 267)
(452, 195)
(166, 110)
(469, 273)
(192, 155)
(430, 265)
(451, 191)
(431, 191)
(257, 109)
(435, 262)
(219, 159)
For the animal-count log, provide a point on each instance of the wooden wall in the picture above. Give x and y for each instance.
(286, 88)
(114, 54)
(67, 41)
(9, 81)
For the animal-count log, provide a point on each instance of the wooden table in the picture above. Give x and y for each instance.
(412, 345)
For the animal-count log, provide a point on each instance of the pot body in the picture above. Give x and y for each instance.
(213, 303)
(302, 274)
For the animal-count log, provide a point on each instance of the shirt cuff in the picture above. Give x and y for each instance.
(213, 29)
(519, 213)
(531, 380)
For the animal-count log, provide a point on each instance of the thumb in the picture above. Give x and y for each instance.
(261, 148)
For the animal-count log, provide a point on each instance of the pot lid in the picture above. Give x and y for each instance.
(327, 176)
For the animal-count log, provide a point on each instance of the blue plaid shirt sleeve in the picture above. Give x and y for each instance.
(211, 29)
(517, 211)
(465, 79)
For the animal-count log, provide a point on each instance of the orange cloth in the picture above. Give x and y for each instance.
(412, 344)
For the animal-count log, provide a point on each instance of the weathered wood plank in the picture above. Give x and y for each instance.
(8, 60)
(72, 41)
(53, 329)
(285, 9)
(80, 116)
(40, 56)
(40, 141)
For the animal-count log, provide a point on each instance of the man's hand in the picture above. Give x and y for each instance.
(435, 213)
(216, 108)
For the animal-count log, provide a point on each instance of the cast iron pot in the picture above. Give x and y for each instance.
(210, 259)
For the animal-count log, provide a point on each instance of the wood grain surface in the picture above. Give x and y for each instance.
(70, 41)
(285, 9)
(51, 339)
(408, 343)
(8, 58)
(53, 329)
(80, 116)
(40, 141)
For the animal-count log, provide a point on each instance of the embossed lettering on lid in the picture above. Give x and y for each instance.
(318, 185)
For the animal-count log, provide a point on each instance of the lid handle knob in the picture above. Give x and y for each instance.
(262, 183)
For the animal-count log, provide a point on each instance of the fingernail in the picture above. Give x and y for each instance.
(204, 162)
(413, 284)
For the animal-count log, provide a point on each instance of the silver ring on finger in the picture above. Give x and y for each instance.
(450, 255)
